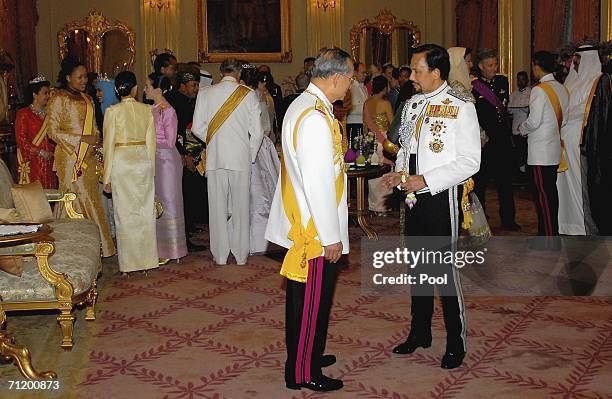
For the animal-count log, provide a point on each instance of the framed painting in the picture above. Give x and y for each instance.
(253, 30)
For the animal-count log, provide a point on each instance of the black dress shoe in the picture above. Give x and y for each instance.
(452, 360)
(327, 360)
(511, 226)
(191, 247)
(319, 384)
(411, 345)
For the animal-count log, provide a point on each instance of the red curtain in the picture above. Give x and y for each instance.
(548, 24)
(18, 19)
(469, 15)
(585, 24)
(477, 24)
(489, 26)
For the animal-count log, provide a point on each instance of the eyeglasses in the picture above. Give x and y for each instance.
(351, 79)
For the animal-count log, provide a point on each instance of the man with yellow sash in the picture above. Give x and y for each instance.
(574, 205)
(228, 119)
(548, 111)
(309, 217)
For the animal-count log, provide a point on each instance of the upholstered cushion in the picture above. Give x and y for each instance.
(6, 182)
(31, 202)
(12, 265)
(9, 215)
(77, 254)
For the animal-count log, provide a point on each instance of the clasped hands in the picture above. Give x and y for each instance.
(412, 183)
(90, 139)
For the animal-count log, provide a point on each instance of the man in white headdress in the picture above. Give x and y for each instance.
(574, 213)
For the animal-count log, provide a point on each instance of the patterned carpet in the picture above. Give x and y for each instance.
(195, 330)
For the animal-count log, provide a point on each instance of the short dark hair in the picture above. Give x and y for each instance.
(68, 66)
(309, 59)
(468, 51)
(436, 57)
(387, 66)
(395, 74)
(124, 83)
(162, 61)
(545, 60)
(405, 68)
(34, 88)
(522, 73)
(379, 84)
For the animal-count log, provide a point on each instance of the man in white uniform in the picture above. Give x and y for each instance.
(574, 215)
(228, 118)
(359, 94)
(440, 151)
(548, 106)
(309, 216)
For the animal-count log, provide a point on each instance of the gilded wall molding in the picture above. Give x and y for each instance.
(324, 26)
(608, 12)
(505, 40)
(160, 29)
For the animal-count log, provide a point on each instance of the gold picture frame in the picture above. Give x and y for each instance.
(207, 52)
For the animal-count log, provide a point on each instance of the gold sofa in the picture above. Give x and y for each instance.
(59, 273)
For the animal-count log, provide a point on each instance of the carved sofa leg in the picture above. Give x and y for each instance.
(66, 322)
(92, 297)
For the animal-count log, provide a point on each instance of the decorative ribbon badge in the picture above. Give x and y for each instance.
(442, 111)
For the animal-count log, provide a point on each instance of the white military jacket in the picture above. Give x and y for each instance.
(236, 143)
(442, 129)
(541, 127)
(313, 173)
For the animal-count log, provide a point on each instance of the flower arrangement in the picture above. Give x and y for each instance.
(366, 146)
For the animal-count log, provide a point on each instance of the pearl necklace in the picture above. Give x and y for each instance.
(42, 113)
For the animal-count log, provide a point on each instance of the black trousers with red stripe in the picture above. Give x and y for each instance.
(306, 320)
(543, 181)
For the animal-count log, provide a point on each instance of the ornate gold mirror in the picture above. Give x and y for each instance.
(104, 47)
(384, 39)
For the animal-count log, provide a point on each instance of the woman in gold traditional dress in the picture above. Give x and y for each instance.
(377, 115)
(71, 124)
(129, 167)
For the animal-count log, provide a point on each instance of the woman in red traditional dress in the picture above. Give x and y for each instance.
(35, 162)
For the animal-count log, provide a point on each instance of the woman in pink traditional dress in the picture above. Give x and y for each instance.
(171, 240)
(377, 115)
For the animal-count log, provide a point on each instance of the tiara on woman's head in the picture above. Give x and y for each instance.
(38, 79)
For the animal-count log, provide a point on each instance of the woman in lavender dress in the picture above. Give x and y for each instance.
(171, 240)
